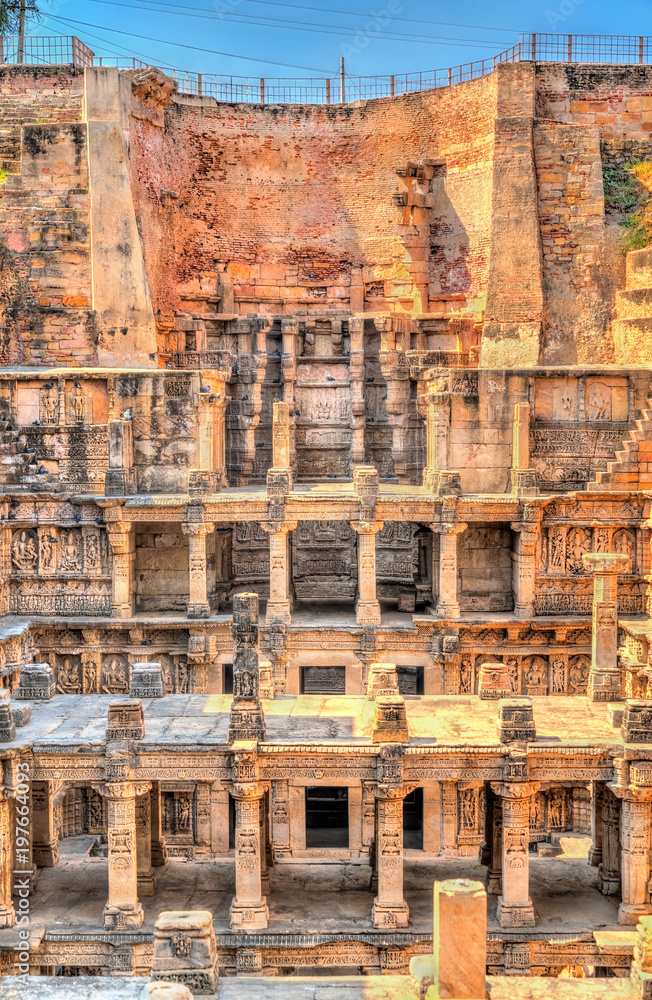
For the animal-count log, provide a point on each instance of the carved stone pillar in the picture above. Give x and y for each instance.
(604, 675)
(609, 869)
(121, 540)
(210, 472)
(198, 606)
(524, 478)
(249, 909)
(515, 907)
(495, 872)
(635, 857)
(122, 910)
(279, 605)
(437, 406)
(159, 849)
(595, 852)
(390, 909)
(45, 842)
(526, 537)
(448, 605)
(145, 871)
(7, 912)
(5, 570)
(367, 609)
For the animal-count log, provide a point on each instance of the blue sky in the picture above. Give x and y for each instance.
(300, 38)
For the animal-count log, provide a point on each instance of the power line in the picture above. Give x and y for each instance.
(183, 45)
(327, 10)
(312, 27)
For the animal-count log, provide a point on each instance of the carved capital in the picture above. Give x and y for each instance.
(278, 527)
(605, 563)
(448, 528)
(197, 527)
(367, 527)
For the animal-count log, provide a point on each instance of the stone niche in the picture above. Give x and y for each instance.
(161, 569)
(484, 568)
(324, 561)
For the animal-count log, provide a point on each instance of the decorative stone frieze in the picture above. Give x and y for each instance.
(146, 680)
(185, 950)
(37, 682)
(126, 720)
(516, 721)
(247, 720)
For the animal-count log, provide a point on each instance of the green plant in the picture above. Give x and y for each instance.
(627, 190)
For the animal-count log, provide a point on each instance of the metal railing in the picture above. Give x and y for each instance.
(37, 50)
(538, 47)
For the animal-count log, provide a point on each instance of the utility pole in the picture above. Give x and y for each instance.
(21, 33)
(342, 85)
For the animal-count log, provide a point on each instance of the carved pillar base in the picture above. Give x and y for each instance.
(609, 881)
(251, 918)
(604, 685)
(278, 613)
(595, 856)
(147, 883)
(524, 482)
(118, 918)
(494, 882)
(200, 610)
(7, 915)
(45, 855)
(367, 613)
(159, 853)
(442, 483)
(515, 914)
(629, 913)
(448, 610)
(120, 482)
(201, 482)
(390, 914)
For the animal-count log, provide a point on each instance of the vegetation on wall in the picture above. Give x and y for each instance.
(627, 190)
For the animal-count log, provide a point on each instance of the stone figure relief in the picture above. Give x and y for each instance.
(115, 675)
(578, 674)
(597, 401)
(466, 676)
(468, 811)
(557, 539)
(47, 545)
(70, 551)
(624, 542)
(578, 544)
(24, 550)
(558, 676)
(69, 675)
(49, 404)
(535, 671)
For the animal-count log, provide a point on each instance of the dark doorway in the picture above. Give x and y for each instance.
(413, 820)
(228, 678)
(323, 680)
(410, 680)
(327, 817)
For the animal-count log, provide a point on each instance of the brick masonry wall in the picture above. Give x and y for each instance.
(35, 95)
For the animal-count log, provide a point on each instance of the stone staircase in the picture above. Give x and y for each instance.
(631, 469)
(632, 327)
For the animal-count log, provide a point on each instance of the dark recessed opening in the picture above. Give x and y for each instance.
(410, 680)
(231, 823)
(228, 678)
(327, 817)
(413, 820)
(323, 680)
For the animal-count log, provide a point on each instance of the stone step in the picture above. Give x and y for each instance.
(633, 340)
(634, 303)
(638, 268)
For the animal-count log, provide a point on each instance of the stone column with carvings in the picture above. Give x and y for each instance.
(495, 870)
(390, 909)
(515, 907)
(122, 910)
(279, 605)
(249, 909)
(247, 720)
(5, 570)
(448, 605)
(45, 842)
(121, 540)
(367, 608)
(196, 529)
(595, 851)
(159, 849)
(524, 478)
(7, 912)
(526, 537)
(437, 408)
(210, 471)
(145, 871)
(635, 856)
(604, 675)
(609, 867)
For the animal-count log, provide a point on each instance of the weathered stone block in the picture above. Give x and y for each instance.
(493, 682)
(460, 940)
(126, 721)
(390, 720)
(21, 714)
(184, 949)
(166, 991)
(37, 682)
(516, 720)
(637, 721)
(146, 681)
(7, 724)
(382, 680)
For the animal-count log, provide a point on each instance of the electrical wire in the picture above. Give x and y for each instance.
(184, 11)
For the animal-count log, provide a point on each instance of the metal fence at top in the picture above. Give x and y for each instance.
(37, 50)
(338, 89)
